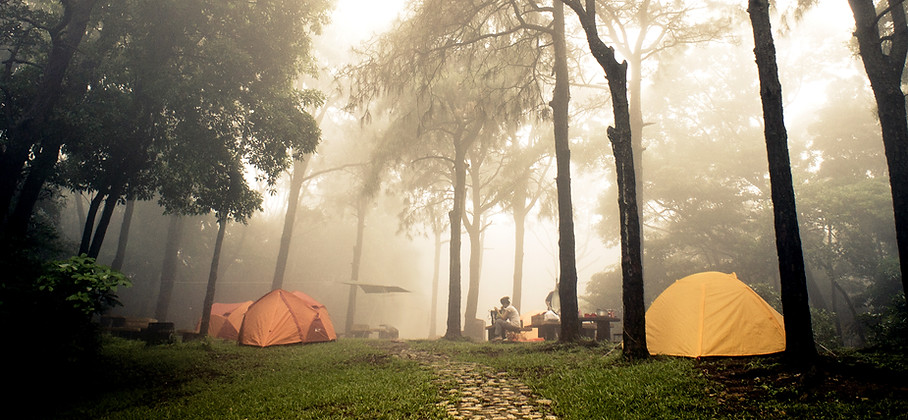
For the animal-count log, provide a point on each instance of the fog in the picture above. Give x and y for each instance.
(818, 70)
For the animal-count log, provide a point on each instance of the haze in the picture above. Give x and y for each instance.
(704, 151)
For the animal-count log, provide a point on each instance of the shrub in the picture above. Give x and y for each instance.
(888, 328)
(81, 286)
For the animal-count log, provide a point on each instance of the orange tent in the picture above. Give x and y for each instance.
(322, 312)
(712, 314)
(282, 317)
(226, 319)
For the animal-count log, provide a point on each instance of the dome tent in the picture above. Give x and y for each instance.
(712, 314)
(226, 319)
(282, 317)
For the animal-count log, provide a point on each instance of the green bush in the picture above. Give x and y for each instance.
(80, 285)
(50, 315)
(824, 330)
(888, 328)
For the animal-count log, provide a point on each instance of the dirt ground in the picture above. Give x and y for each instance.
(748, 383)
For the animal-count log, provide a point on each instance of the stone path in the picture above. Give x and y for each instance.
(475, 391)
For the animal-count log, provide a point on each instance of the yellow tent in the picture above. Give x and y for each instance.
(712, 314)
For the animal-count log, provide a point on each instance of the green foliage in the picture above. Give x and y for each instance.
(81, 284)
(888, 328)
(824, 330)
(172, 92)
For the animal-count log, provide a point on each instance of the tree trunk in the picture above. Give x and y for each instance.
(296, 184)
(456, 215)
(433, 315)
(570, 321)
(635, 112)
(520, 216)
(474, 231)
(169, 265)
(101, 230)
(89, 227)
(117, 263)
(80, 207)
(799, 347)
(854, 313)
(357, 260)
(835, 306)
(884, 62)
(212, 279)
(622, 146)
(40, 170)
(65, 39)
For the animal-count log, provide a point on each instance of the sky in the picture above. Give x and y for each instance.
(354, 21)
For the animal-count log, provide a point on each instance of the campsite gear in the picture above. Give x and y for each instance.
(158, 333)
(282, 317)
(226, 319)
(712, 314)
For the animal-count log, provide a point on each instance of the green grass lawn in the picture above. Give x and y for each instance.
(359, 379)
(220, 380)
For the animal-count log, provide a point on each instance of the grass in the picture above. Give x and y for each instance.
(593, 382)
(220, 380)
(358, 378)
(587, 382)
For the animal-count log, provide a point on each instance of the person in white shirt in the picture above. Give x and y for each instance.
(508, 319)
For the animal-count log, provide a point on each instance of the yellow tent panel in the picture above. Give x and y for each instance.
(712, 314)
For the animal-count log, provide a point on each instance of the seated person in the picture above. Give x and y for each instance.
(508, 319)
(553, 300)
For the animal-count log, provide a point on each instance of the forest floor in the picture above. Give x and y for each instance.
(440, 379)
(753, 385)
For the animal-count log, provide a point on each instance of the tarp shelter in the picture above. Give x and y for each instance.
(226, 319)
(378, 288)
(712, 314)
(282, 317)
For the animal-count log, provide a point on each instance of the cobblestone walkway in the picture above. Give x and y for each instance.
(475, 391)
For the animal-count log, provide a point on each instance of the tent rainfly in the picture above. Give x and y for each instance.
(712, 314)
(226, 319)
(282, 317)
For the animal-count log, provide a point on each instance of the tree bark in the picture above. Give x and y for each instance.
(80, 207)
(635, 112)
(89, 226)
(520, 216)
(884, 62)
(433, 315)
(799, 346)
(851, 308)
(567, 291)
(117, 263)
(296, 184)
(622, 146)
(454, 295)
(212, 279)
(65, 39)
(357, 260)
(101, 230)
(169, 265)
(474, 231)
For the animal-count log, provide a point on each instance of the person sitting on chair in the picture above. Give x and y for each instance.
(553, 300)
(508, 319)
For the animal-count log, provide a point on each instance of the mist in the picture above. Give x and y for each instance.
(704, 157)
